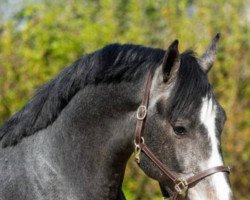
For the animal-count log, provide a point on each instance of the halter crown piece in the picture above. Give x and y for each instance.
(181, 184)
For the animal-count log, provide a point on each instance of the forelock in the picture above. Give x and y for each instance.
(190, 87)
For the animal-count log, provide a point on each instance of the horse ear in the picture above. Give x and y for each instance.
(171, 62)
(207, 59)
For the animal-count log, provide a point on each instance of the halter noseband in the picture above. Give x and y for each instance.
(181, 185)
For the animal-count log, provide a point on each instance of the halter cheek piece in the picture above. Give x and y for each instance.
(181, 185)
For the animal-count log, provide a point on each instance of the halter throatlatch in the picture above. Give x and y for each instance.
(181, 184)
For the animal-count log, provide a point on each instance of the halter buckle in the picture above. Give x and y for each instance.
(181, 187)
(141, 112)
(137, 153)
(138, 150)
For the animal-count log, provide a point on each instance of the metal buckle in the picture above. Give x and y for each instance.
(138, 150)
(181, 187)
(141, 112)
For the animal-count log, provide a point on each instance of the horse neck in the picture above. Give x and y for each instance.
(94, 137)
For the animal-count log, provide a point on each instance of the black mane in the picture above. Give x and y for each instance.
(114, 63)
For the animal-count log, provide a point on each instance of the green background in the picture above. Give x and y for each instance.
(39, 38)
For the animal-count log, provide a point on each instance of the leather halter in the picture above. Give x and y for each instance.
(181, 185)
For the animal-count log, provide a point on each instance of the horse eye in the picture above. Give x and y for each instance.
(179, 130)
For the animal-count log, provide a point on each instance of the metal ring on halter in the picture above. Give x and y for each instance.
(141, 142)
(141, 112)
(138, 150)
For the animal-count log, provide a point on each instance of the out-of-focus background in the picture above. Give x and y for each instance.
(38, 38)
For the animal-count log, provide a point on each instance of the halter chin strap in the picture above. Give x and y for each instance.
(181, 184)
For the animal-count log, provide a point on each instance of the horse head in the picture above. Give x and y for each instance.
(183, 127)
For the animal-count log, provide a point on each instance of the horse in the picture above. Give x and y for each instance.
(73, 139)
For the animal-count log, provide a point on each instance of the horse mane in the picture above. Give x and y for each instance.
(112, 64)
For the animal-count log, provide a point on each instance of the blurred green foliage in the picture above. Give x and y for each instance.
(44, 36)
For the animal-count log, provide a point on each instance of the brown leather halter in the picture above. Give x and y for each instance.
(181, 185)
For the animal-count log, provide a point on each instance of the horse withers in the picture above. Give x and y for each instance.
(73, 139)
